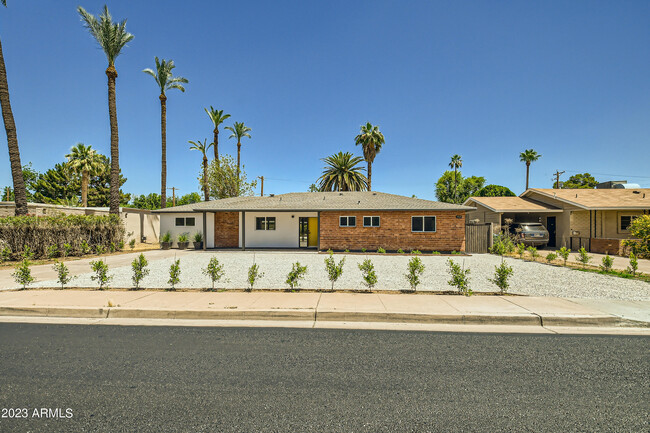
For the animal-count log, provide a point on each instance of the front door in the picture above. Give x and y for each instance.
(307, 232)
(550, 226)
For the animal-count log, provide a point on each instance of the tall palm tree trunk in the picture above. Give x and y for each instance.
(205, 178)
(369, 176)
(216, 144)
(20, 193)
(84, 188)
(114, 202)
(238, 158)
(455, 184)
(163, 135)
(527, 173)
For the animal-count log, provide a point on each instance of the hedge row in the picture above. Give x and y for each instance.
(41, 233)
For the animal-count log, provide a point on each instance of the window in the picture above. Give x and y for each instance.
(347, 221)
(180, 222)
(371, 221)
(626, 221)
(423, 224)
(189, 222)
(265, 223)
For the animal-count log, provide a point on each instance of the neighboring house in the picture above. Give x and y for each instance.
(322, 220)
(597, 219)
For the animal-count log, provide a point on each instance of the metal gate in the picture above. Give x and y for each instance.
(478, 238)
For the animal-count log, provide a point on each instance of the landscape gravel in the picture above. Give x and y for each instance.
(529, 278)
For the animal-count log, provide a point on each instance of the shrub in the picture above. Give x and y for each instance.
(52, 251)
(100, 249)
(67, 250)
(254, 275)
(415, 268)
(640, 234)
(5, 254)
(27, 253)
(198, 237)
(330, 251)
(550, 257)
(459, 278)
(583, 257)
(132, 244)
(85, 248)
(296, 274)
(501, 275)
(502, 245)
(607, 263)
(521, 250)
(39, 232)
(334, 270)
(23, 274)
(101, 273)
(363, 250)
(167, 237)
(346, 250)
(63, 273)
(174, 273)
(400, 251)
(634, 264)
(120, 245)
(416, 252)
(368, 271)
(533, 252)
(380, 250)
(140, 270)
(183, 237)
(112, 247)
(214, 270)
(435, 253)
(564, 253)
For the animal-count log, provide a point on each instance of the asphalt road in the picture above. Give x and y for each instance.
(159, 379)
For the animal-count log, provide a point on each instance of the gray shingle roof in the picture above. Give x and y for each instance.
(318, 201)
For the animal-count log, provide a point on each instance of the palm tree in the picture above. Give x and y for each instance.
(85, 161)
(217, 118)
(343, 173)
(239, 131)
(456, 163)
(20, 192)
(166, 81)
(528, 156)
(371, 141)
(112, 37)
(204, 149)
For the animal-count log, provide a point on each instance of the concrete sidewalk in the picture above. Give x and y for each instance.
(327, 307)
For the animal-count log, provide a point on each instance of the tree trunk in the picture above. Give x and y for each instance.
(84, 188)
(238, 158)
(114, 202)
(216, 143)
(455, 185)
(163, 135)
(20, 193)
(205, 178)
(527, 173)
(369, 176)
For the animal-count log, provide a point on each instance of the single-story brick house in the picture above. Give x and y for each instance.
(597, 219)
(322, 220)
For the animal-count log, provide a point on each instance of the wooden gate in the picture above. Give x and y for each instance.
(478, 238)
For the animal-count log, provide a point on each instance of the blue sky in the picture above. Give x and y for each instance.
(484, 79)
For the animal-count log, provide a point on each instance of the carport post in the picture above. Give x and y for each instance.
(205, 231)
(243, 231)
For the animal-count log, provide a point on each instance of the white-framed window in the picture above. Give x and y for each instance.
(185, 222)
(347, 221)
(624, 222)
(371, 221)
(423, 223)
(265, 223)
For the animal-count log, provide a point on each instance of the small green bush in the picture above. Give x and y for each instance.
(521, 250)
(183, 237)
(67, 250)
(380, 250)
(607, 263)
(400, 251)
(296, 274)
(23, 274)
(120, 245)
(634, 264)
(501, 275)
(564, 253)
(459, 278)
(85, 248)
(5, 254)
(550, 257)
(214, 270)
(99, 250)
(167, 237)
(101, 273)
(132, 244)
(415, 269)
(369, 275)
(583, 257)
(363, 250)
(502, 245)
(435, 253)
(534, 254)
(112, 247)
(640, 236)
(52, 251)
(254, 275)
(334, 270)
(63, 273)
(346, 250)
(198, 237)
(174, 273)
(27, 253)
(140, 270)
(416, 252)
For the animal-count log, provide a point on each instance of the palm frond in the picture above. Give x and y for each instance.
(112, 37)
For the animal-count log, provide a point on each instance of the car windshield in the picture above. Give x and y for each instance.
(532, 227)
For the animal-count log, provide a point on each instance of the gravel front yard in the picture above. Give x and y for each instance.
(535, 279)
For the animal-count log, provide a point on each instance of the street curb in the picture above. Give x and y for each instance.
(326, 316)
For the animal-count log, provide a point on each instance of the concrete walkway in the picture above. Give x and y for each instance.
(328, 307)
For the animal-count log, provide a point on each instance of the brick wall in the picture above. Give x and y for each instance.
(394, 232)
(606, 246)
(226, 229)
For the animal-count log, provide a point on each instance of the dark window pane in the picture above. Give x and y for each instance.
(270, 223)
(625, 222)
(430, 224)
(352, 221)
(416, 224)
(343, 221)
(190, 222)
(367, 221)
(259, 223)
(375, 221)
(180, 221)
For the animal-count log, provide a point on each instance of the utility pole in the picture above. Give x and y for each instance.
(173, 195)
(262, 190)
(557, 178)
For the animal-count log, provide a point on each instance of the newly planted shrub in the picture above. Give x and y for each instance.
(63, 273)
(501, 275)
(435, 253)
(5, 254)
(502, 245)
(550, 257)
(369, 275)
(296, 274)
(198, 237)
(254, 275)
(100, 249)
(521, 250)
(416, 252)
(183, 237)
(334, 270)
(85, 248)
(174, 273)
(101, 273)
(120, 245)
(533, 252)
(52, 251)
(167, 237)
(634, 264)
(112, 247)
(27, 253)
(583, 257)
(380, 250)
(140, 270)
(214, 270)
(67, 250)
(607, 263)
(347, 250)
(459, 278)
(363, 250)
(415, 268)
(564, 253)
(132, 244)
(23, 274)
(400, 251)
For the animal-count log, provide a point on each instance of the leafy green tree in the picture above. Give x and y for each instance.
(239, 131)
(217, 117)
(456, 163)
(582, 180)
(203, 148)
(166, 81)
(528, 156)
(371, 140)
(152, 201)
(343, 173)
(467, 187)
(494, 191)
(30, 177)
(640, 233)
(224, 179)
(312, 188)
(19, 189)
(112, 37)
(85, 161)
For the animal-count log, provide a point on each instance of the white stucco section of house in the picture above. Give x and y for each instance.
(168, 224)
(285, 234)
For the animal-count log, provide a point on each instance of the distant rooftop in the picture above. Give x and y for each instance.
(512, 204)
(597, 199)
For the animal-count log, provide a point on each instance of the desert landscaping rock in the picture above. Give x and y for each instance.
(529, 278)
